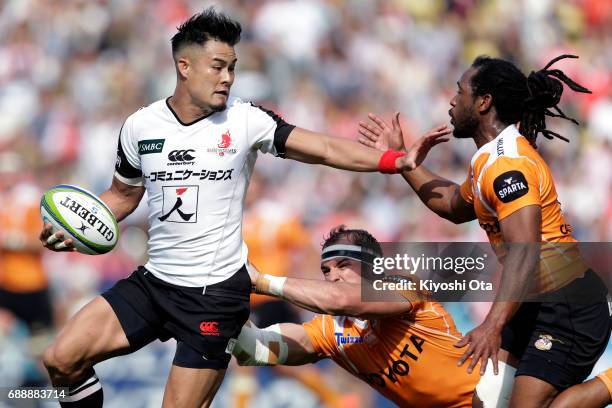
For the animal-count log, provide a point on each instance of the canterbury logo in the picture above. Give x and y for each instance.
(209, 329)
(181, 155)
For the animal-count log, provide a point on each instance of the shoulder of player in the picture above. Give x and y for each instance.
(510, 151)
(143, 113)
(263, 110)
(323, 324)
(241, 106)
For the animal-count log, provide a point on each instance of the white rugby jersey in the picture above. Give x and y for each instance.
(196, 176)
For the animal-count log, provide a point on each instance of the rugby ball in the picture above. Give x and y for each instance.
(82, 216)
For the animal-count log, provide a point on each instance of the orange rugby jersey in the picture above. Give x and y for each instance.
(409, 358)
(507, 174)
(21, 271)
(270, 241)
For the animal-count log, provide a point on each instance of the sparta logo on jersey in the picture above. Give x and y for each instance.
(510, 185)
(224, 145)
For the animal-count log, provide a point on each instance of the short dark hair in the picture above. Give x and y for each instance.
(524, 99)
(204, 26)
(358, 237)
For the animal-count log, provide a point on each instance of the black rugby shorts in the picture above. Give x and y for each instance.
(202, 323)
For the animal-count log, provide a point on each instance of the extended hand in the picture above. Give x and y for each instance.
(55, 242)
(379, 135)
(419, 150)
(483, 343)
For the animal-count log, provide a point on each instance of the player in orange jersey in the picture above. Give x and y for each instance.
(24, 287)
(403, 349)
(595, 393)
(510, 190)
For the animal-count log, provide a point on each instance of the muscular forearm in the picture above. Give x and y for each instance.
(437, 193)
(122, 199)
(316, 148)
(518, 275)
(119, 206)
(348, 155)
(335, 298)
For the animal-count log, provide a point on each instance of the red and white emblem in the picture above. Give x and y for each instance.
(226, 140)
(224, 146)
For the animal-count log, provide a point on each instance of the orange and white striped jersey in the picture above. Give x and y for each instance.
(507, 174)
(409, 358)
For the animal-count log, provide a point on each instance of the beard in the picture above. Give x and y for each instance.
(218, 107)
(466, 127)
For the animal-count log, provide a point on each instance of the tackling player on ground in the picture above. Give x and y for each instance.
(193, 153)
(510, 190)
(595, 393)
(402, 348)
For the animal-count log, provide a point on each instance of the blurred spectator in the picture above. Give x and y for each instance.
(24, 287)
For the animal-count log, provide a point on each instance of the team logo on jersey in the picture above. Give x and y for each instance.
(341, 339)
(209, 329)
(544, 343)
(226, 140)
(400, 367)
(151, 146)
(180, 204)
(224, 145)
(180, 157)
(510, 185)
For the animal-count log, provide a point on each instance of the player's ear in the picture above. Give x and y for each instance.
(183, 66)
(484, 103)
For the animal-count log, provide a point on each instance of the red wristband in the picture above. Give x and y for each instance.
(387, 161)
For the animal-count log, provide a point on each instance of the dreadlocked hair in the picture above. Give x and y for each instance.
(545, 90)
(524, 99)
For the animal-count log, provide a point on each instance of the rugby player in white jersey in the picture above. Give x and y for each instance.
(193, 153)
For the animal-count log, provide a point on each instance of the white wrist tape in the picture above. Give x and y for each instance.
(494, 390)
(270, 285)
(260, 347)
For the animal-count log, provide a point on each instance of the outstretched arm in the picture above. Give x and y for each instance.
(280, 344)
(440, 195)
(334, 298)
(316, 148)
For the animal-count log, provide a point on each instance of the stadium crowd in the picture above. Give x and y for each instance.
(71, 71)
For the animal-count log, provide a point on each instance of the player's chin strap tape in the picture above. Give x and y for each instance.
(355, 252)
(494, 390)
(260, 347)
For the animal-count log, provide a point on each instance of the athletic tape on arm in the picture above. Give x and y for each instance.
(260, 347)
(270, 285)
(494, 390)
